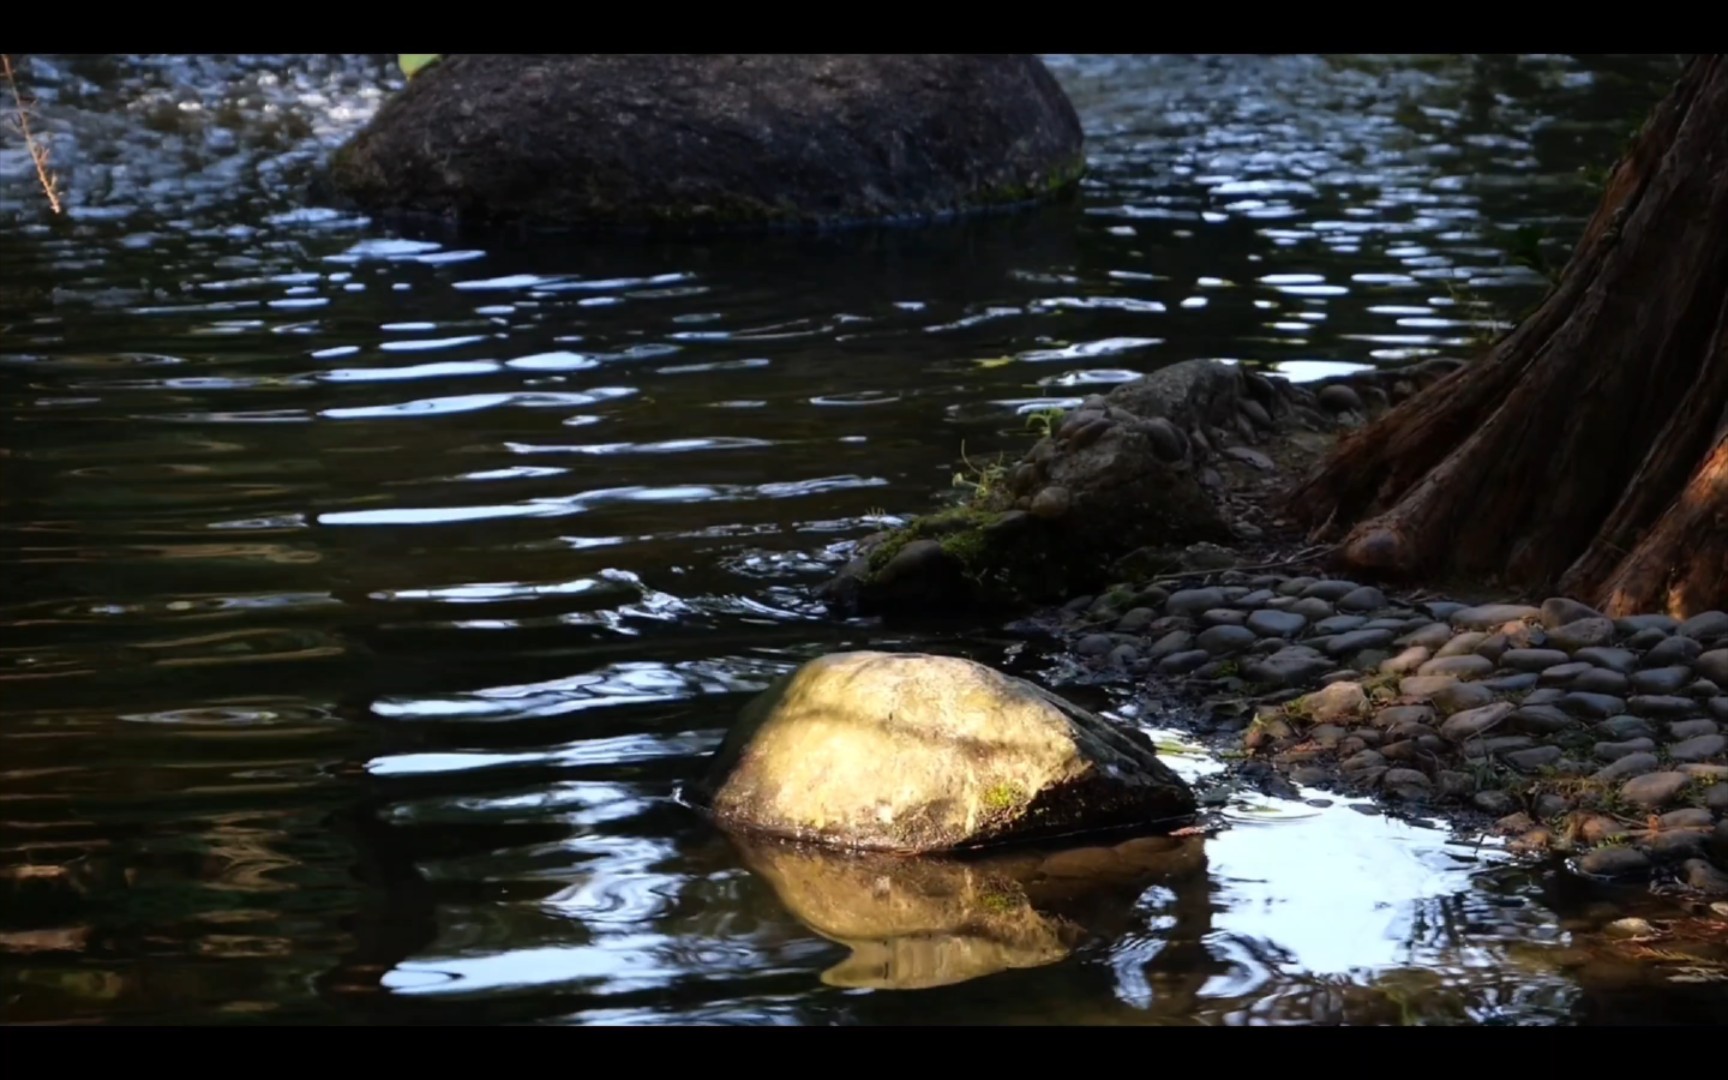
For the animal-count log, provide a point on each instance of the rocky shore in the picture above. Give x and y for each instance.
(1602, 740)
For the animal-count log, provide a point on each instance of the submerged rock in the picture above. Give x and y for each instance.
(916, 753)
(682, 140)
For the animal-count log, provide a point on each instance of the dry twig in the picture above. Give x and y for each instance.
(38, 149)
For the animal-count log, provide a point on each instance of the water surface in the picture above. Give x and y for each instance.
(367, 595)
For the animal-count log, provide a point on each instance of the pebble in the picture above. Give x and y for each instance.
(1660, 705)
(1474, 722)
(1594, 706)
(1690, 818)
(1287, 667)
(1293, 586)
(1397, 715)
(1698, 748)
(1365, 598)
(1626, 727)
(1175, 641)
(1645, 640)
(1329, 590)
(1664, 680)
(1223, 617)
(1405, 662)
(1654, 790)
(1622, 661)
(1443, 609)
(1547, 695)
(1614, 751)
(1460, 667)
(1094, 644)
(1630, 765)
(1560, 611)
(1250, 456)
(1357, 640)
(1281, 624)
(1183, 662)
(1423, 686)
(1630, 624)
(1124, 655)
(1716, 797)
(1510, 684)
(1582, 634)
(1706, 627)
(1614, 862)
(1492, 801)
(1718, 708)
(1463, 644)
(1194, 601)
(1550, 806)
(1492, 616)
(1713, 665)
(1405, 778)
(1533, 659)
(1312, 608)
(1674, 844)
(1338, 624)
(1687, 729)
(1705, 878)
(1534, 759)
(1540, 719)
(1135, 619)
(1595, 680)
(1630, 927)
(1339, 398)
(1429, 636)
(1256, 599)
(1457, 697)
(1672, 651)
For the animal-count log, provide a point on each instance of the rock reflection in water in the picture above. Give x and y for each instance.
(915, 923)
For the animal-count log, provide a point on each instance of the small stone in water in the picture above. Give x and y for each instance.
(1614, 862)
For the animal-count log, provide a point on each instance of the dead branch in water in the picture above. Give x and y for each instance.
(38, 149)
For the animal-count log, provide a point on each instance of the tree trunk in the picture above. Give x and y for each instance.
(1587, 452)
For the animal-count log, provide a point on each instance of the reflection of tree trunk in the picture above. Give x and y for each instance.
(1588, 450)
(397, 914)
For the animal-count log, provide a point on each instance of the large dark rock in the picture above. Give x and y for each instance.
(714, 140)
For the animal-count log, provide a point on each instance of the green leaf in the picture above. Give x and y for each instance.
(413, 62)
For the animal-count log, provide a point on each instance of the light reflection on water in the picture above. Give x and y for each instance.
(368, 596)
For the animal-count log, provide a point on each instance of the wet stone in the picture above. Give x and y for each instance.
(1614, 751)
(1338, 624)
(1691, 729)
(1387, 622)
(1135, 619)
(1630, 765)
(1225, 639)
(1167, 624)
(1692, 817)
(1706, 879)
(1550, 806)
(1654, 790)
(1405, 662)
(1623, 661)
(1592, 706)
(1671, 652)
(1276, 623)
(1662, 706)
(1716, 798)
(1546, 695)
(1510, 684)
(1362, 761)
(1293, 586)
(1457, 697)
(1614, 862)
(1398, 780)
(1663, 680)
(1223, 617)
(1534, 759)
(1582, 634)
(1565, 674)
(1330, 590)
(1718, 707)
(1183, 662)
(1312, 608)
(1328, 736)
(1492, 616)
(1493, 647)
(1255, 599)
(1532, 659)
(1366, 598)
(1123, 656)
(1460, 667)
(1706, 627)
(1560, 611)
(1699, 748)
(1286, 667)
(1357, 640)
(1194, 601)
(1701, 688)
(1463, 644)
(1443, 609)
(1595, 680)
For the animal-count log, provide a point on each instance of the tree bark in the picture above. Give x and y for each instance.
(1588, 450)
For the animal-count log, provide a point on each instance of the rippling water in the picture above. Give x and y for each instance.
(366, 595)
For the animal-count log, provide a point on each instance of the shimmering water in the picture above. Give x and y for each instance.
(367, 595)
